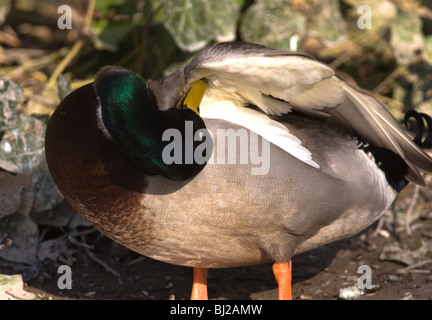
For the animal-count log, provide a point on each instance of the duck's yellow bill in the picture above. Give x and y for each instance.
(192, 98)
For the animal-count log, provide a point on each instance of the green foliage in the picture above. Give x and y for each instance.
(279, 23)
(165, 33)
(22, 142)
(406, 36)
(22, 147)
(107, 36)
(10, 93)
(25, 183)
(193, 24)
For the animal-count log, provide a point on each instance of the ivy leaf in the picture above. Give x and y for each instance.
(22, 147)
(10, 93)
(5, 7)
(107, 35)
(117, 23)
(428, 49)
(382, 12)
(194, 23)
(64, 86)
(273, 23)
(107, 7)
(328, 25)
(406, 36)
(24, 236)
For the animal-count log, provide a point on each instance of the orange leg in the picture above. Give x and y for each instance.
(282, 273)
(199, 288)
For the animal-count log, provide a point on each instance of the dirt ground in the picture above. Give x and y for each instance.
(318, 274)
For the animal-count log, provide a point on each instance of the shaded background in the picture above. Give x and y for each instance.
(40, 63)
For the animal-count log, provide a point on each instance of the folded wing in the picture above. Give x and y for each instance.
(277, 82)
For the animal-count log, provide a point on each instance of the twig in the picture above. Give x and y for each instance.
(79, 243)
(35, 63)
(65, 62)
(137, 260)
(127, 57)
(75, 233)
(103, 264)
(391, 102)
(348, 49)
(144, 39)
(43, 234)
(378, 227)
(425, 12)
(76, 47)
(383, 86)
(410, 210)
(416, 265)
(9, 38)
(6, 243)
(382, 222)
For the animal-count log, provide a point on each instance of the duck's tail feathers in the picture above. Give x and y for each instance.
(371, 120)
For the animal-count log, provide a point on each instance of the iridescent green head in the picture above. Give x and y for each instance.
(129, 116)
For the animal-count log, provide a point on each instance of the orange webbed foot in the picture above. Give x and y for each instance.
(282, 273)
(199, 287)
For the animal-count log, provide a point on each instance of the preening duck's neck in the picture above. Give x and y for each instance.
(130, 117)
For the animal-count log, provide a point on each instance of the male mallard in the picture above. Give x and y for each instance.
(332, 159)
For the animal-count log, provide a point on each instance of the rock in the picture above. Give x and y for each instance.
(12, 288)
(350, 293)
(408, 256)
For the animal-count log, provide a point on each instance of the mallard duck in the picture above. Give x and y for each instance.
(150, 164)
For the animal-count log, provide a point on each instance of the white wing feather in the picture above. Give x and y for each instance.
(277, 82)
(273, 84)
